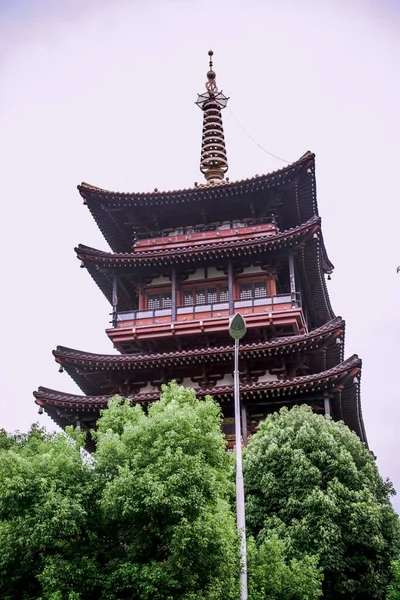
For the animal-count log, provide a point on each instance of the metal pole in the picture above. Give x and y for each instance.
(327, 403)
(292, 279)
(230, 288)
(115, 299)
(241, 523)
(244, 424)
(173, 295)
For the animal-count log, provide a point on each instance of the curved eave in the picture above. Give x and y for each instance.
(313, 284)
(339, 380)
(346, 404)
(327, 265)
(191, 253)
(219, 189)
(109, 208)
(331, 331)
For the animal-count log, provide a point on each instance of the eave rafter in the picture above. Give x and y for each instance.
(314, 287)
(334, 379)
(223, 188)
(190, 253)
(325, 335)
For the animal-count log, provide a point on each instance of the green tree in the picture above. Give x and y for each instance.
(311, 482)
(43, 507)
(394, 586)
(166, 498)
(149, 516)
(272, 576)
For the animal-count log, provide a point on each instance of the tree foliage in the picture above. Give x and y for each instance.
(148, 517)
(151, 514)
(312, 483)
(394, 586)
(274, 576)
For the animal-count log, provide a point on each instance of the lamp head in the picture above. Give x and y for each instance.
(237, 327)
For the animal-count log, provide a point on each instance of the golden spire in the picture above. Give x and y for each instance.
(213, 162)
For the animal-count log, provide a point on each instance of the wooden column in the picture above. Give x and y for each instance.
(272, 285)
(230, 288)
(244, 425)
(141, 302)
(114, 298)
(173, 295)
(327, 404)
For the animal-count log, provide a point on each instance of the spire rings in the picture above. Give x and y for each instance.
(213, 161)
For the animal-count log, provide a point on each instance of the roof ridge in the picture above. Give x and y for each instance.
(221, 184)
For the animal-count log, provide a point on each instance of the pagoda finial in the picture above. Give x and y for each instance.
(213, 162)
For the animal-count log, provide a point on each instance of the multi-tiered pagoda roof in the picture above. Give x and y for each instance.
(182, 263)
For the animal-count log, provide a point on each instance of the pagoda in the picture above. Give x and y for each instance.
(182, 263)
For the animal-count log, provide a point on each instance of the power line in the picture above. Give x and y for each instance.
(255, 141)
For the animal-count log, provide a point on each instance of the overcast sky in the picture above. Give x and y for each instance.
(104, 92)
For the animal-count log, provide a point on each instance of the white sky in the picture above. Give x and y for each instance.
(104, 92)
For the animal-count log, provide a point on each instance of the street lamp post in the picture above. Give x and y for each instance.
(237, 329)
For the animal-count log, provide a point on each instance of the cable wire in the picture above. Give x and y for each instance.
(255, 141)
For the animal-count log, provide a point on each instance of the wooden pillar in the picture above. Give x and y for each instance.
(327, 404)
(244, 425)
(141, 303)
(173, 295)
(230, 288)
(272, 285)
(114, 298)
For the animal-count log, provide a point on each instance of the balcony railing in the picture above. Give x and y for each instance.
(197, 312)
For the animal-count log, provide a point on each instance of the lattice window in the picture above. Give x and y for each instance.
(204, 295)
(153, 301)
(160, 300)
(211, 295)
(188, 298)
(166, 300)
(260, 289)
(254, 289)
(246, 291)
(201, 294)
(223, 294)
